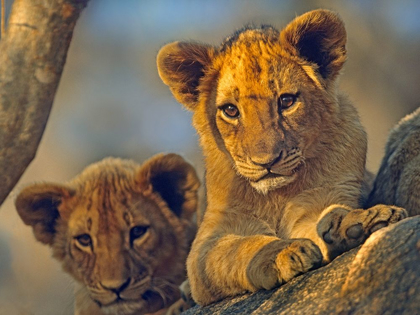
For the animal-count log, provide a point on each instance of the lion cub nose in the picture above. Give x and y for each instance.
(116, 286)
(268, 160)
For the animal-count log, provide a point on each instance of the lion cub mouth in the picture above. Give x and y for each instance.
(147, 302)
(279, 174)
(289, 171)
(283, 172)
(123, 306)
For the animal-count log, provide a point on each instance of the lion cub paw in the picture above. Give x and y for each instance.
(342, 230)
(177, 308)
(300, 256)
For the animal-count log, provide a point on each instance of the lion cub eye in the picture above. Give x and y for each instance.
(286, 100)
(230, 111)
(84, 240)
(137, 232)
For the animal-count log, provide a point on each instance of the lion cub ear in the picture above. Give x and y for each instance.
(37, 206)
(180, 66)
(319, 37)
(174, 179)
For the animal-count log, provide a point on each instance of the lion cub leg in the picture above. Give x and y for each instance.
(300, 256)
(291, 258)
(342, 228)
(185, 302)
(231, 264)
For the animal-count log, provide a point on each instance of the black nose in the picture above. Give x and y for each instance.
(116, 286)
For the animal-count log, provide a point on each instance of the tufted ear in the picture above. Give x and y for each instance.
(37, 206)
(174, 180)
(180, 66)
(319, 37)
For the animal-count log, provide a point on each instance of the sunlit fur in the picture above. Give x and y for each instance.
(279, 180)
(106, 201)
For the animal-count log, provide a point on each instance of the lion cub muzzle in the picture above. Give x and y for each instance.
(112, 291)
(288, 163)
(278, 172)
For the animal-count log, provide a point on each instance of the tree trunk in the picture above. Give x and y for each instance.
(32, 56)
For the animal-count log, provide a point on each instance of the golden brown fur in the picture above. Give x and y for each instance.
(285, 154)
(121, 230)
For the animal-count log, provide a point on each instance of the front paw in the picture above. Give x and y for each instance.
(300, 256)
(342, 229)
(177, 308)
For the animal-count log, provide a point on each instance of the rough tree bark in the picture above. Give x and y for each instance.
(32, 56)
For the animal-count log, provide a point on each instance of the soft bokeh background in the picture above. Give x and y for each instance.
(111, 102)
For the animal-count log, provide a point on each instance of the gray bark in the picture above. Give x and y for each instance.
(380, 277)
(32, 56)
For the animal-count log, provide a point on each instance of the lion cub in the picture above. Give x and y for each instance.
(285, 154)
(121, 230)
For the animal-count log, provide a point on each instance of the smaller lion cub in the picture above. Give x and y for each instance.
(121, 230)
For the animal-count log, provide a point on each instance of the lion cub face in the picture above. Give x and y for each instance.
(120, 229)
(264, 96)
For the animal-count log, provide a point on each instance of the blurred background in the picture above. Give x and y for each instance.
(111, 102)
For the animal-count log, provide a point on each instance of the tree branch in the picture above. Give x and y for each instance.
(32, 56)
(3, 18)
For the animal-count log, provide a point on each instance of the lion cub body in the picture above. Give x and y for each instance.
(285, 154)
(120, 229)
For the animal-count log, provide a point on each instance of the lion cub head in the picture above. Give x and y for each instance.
(120, 229)
(265, 98)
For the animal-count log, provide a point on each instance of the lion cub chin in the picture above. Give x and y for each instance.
(285, 154)
(120, 229)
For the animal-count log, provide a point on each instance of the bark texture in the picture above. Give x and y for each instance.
(32, 56)
(380, 277)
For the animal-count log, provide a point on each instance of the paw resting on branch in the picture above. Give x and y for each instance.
(380, 277)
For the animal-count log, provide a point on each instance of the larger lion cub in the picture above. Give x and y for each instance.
(120, 229)
(285, 154)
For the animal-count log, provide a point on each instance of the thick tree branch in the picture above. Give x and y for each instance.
(3, 18)
(32, 57)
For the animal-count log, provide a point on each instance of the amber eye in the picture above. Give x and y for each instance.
(286, 100)
(84, 240)
(137, 232)
(230, 111)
